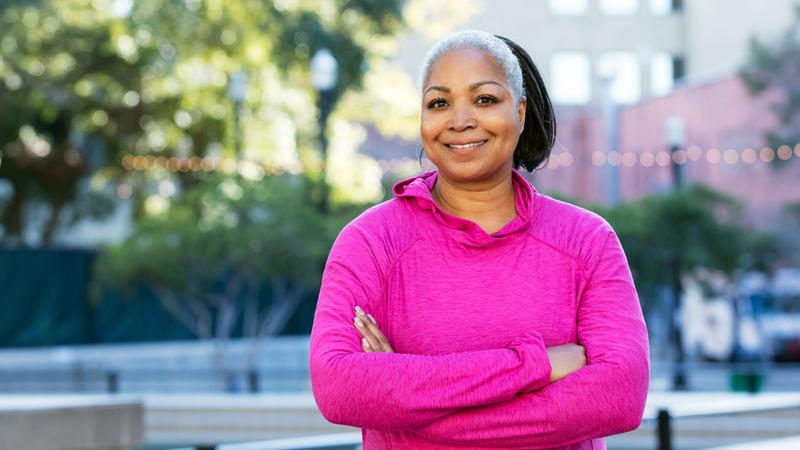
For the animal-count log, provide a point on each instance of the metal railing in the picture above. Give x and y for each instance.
(114, 381)
(787, 443)
(663, 415)
(295, 378)
(335, 441)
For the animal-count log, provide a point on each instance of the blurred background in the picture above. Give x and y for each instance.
(173, 174)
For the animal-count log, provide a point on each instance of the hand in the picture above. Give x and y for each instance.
(565, 359)
(372, 339)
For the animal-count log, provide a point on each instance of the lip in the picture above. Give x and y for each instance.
(465, 146)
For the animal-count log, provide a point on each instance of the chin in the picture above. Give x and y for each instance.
(465, 171)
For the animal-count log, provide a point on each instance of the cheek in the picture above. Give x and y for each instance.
(504, 126)
(430, 126)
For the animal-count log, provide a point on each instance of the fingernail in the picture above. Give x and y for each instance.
(359, 323)
(359, 311)
(372, 319)
(365, 342)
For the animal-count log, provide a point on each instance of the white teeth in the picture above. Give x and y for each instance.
(470, 145)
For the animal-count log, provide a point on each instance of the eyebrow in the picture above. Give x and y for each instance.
(472, 86)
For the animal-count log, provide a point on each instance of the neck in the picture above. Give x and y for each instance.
(490, 204)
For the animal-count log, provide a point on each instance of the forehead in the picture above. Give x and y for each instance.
(464, 66)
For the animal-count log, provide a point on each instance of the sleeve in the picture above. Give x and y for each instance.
(395, 391)
(605, 397)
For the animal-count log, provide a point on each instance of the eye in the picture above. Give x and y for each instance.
(486, 99)
(437, 103)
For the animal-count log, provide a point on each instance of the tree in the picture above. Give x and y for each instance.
(778, 67)
(695, 226)
(66, 83)
(91, 80)
(219, 250)
(792, 210)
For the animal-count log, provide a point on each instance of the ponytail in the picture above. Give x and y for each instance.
(539, 133)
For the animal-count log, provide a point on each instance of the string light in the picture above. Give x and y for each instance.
(784, 152)
(713, 156)
(562, 159)
(614, 158)
(730, 156)
(647, 159)
(598, 158)
(663, 158)
(195, 163)
(749, 156)
(767, 154)
(207, 164)
(127, 162)
(679, 156)
(629, 159)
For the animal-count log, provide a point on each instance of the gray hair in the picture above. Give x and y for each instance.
(477, 40)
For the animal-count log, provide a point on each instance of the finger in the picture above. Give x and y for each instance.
(366, 333)
(372, 325)
(365, 345)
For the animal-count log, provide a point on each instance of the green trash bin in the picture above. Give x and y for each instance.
(747, 380)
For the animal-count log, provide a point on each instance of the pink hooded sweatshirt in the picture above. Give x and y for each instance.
(469, 316)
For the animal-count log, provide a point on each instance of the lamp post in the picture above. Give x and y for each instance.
(675, 133)
(324, 74)
(237, 87)
(610, 110)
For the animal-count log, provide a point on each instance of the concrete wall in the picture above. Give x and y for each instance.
(718, 32)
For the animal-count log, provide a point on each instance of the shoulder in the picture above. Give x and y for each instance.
(575, 231)
(383, 230)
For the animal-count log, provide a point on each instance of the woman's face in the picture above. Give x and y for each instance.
(470, 123)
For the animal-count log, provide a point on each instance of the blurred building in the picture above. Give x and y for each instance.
(723, 148)
(646, 46)
(618, 69)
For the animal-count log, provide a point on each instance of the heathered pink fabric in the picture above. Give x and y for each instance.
(469, 316)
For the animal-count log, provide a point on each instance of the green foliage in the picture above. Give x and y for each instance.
(793, 211)
(88, 82)
(699, 227)
(65, 83)
(221, 244)
(777, 67)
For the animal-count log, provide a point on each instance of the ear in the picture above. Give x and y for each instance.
(521, 109)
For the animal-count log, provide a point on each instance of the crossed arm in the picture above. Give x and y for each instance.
(500, 398)
(391, 391)
(605, 397)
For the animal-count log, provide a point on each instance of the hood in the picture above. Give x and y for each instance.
(417, 189)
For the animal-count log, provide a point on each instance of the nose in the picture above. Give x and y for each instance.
(462, 118)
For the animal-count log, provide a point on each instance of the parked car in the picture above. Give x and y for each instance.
(776, 307)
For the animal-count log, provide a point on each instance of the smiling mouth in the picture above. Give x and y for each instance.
(465, 146)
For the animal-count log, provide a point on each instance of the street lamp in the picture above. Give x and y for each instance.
(237, 88)
(610, 111)
(675, 133)
(324, 74)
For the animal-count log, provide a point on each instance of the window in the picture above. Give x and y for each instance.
(619, 7)
(623, 71)
(568, 7)
(662, 75)
(665, 7)
(678, 68)
(665, 70)
(570, 78)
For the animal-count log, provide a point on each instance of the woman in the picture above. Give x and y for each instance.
(471, 311)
